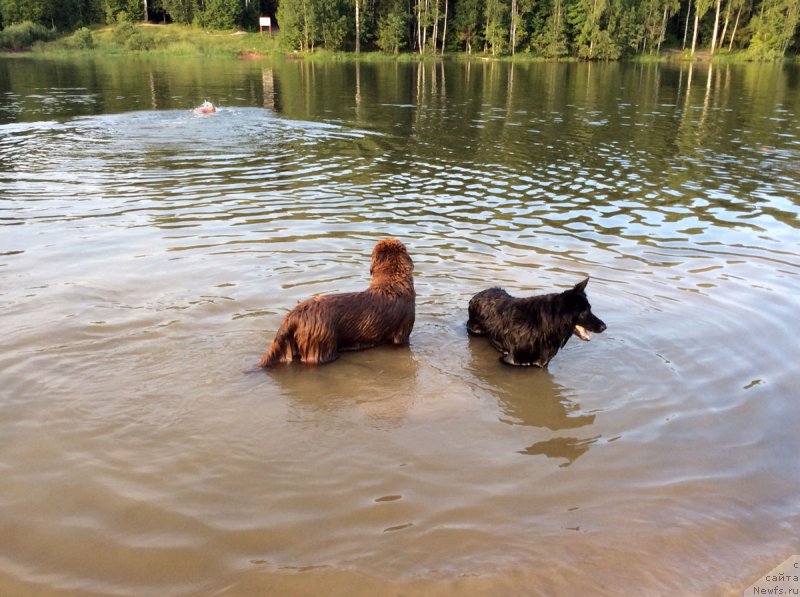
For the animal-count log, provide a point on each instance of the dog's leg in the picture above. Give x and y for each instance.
(474, 328)
(522, 359)
(316, 346)
(281, 350)
(401, 339)
(318, 356)
(509, 359)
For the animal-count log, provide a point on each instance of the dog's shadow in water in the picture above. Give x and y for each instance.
(530, 396)
(378, 384)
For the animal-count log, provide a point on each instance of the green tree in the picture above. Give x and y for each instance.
(357, 12)
(60, 14)
(334, 23)
(669, 7)
(626, 26)
(18, 11)
(585, 18)
(701, 7)
(551, 40)
(181, 11)
(739, 6)
(773, 29)
(467, 23)
(122, 10)
(392, 27)
(91, 12)
(496, 30)
(223, 14)
(426, 14)
(519, 13)
(651, 25)
(617, 29)
(298, 20)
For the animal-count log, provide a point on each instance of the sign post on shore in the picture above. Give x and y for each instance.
(265, 22)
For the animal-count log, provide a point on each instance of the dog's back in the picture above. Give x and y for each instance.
(318, 329)
(483, 307)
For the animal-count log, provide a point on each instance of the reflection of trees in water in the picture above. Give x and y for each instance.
(531, 397)
(667, 151)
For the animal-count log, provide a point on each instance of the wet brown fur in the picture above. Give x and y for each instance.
(318, 329)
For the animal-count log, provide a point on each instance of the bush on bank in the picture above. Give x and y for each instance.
(23, 35)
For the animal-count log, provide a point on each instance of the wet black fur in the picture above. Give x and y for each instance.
(530, 331)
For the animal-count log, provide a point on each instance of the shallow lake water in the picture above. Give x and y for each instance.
(147, 257)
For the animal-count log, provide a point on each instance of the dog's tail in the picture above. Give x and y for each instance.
(283, 347)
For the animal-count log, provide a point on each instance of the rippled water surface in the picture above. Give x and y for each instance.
(147, 257)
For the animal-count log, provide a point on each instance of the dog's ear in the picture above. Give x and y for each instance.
(581, 286)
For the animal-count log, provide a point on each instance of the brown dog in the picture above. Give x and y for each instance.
(316, 330)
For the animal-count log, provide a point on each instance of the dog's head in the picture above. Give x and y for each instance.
(585, 321)
(390, 260)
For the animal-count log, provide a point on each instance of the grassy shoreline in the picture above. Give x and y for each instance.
(181, 40)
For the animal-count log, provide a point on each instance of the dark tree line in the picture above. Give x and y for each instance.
(71, 14)
(586, 29)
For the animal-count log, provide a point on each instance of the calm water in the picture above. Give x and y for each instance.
(147, 257)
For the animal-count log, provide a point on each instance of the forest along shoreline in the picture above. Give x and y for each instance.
(729, 30)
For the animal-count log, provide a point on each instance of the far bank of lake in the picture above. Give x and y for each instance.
(158, 40)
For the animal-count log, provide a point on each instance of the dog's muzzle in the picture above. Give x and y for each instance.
(582, 333)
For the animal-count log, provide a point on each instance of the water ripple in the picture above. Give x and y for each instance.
(147, 257)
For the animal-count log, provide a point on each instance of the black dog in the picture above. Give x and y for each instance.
(530, 331)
